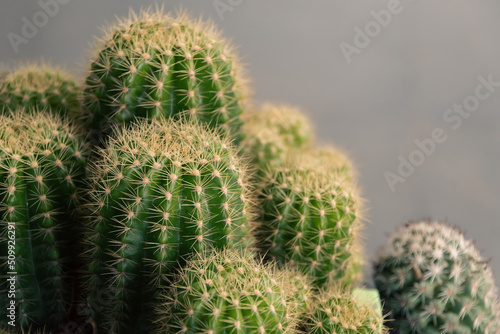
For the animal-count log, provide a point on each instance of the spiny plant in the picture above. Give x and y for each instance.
(433, 280)
(160, 191)
(156, 65)
(228, 292)
(274, 130)
(40, 86)
(23, 331)
(310, 218)
(42, 167)
(338, 311)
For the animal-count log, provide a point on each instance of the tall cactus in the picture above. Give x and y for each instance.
(310, 218)
(433, 280)
(42, 168)
(228, 293)
(161, 191)
(155, 65)
(40, 86)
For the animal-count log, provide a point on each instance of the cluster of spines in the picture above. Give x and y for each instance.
(433, 280)
(42, 168)
(228, 292)
(161, 191)
(155, 65)
(40, 87)
(340, 312)
(310, 218)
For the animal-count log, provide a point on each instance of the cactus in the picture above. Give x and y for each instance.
(272, 132)
(310, 218)
(433, 280)
(228, 292)
(161, 191)
(154, 65)
(40, 87)
(42, 168)
(340, 312)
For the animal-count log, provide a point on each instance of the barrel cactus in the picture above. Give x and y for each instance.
(338, 311)
(310, 218)
(156, 65)
(40, 86)
(42, 171)
(160, 191)
(228, 292)
(274, 130)
(433, 280)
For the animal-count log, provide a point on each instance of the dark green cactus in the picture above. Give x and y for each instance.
(228, 292)
(161, 191)
(433, 280)
(273, 131)
(340, 312)
(310, 218)
(40, 87)
(42, 163)
(155, 65)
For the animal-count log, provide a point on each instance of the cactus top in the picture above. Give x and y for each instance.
(434, 280)
(155, 65)
(229, 292)
(42, 87)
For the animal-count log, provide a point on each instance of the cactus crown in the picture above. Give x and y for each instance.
(226, 292)
(434, 280)
(40, 86)
(156, 65)
(310, 218)
(41, 170)
(338, 311)
(161, 191)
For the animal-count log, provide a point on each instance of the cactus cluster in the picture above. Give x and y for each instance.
(42, 166)
(160, 191)
(433, 280)
(41, 87)
(155, 65)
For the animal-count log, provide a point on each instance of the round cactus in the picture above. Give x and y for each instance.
(161, 191)
(335, 311)
(433, 280)
(42, 169)
(154, 65)
(228, 292)
(41, 87)
(310, 218)
(273, 131)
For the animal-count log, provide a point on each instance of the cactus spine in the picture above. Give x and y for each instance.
(228, 293)
(433, 280)
(42, 168)
(161, 191)
(40, 87)
(310, 218)
(155, 65)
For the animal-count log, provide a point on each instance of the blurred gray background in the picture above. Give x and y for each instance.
(393, 91)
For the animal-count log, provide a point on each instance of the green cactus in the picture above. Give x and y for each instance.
(228, 292)
(161, 191)
(338, 311)
(42, 160)
(153, 65)
(40, 87)
(22, 331)
(273, 131)
(433, 280)
(310, 218)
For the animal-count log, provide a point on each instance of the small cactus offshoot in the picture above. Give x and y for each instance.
(42, 168)
(433, 280)
(161, 191)
(156, 65)
(228, 292)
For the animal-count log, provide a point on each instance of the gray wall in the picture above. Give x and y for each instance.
(394, 91)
